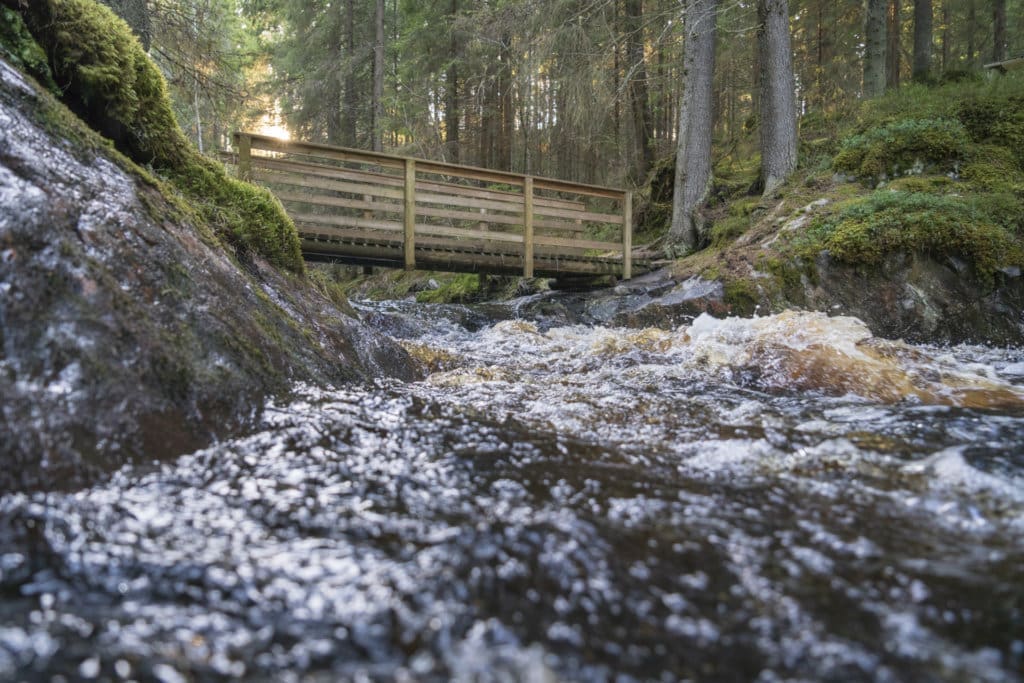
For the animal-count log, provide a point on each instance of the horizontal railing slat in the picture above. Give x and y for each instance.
(380, 197)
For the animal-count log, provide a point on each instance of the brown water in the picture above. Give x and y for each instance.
(784, 498)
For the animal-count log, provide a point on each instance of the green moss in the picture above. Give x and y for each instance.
(19, 48)
(460, 288)
(109, 81)
(994, 168)
(741, 295)
(903, 146)
(726, 230)
(931, 184)
(864, 231)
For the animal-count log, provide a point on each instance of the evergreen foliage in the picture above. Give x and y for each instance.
(112, 84)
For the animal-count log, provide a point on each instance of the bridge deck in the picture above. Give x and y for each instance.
(358, 207)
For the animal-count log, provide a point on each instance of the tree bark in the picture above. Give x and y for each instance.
(377, 119)
(643, 156)
(351, 97)
(693, 152)
(998, 30)
(874, 47)
(892, 57)
(451, 97)
(972, 27)
(778, 94)
(922, 70)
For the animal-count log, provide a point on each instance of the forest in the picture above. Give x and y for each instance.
(585, 90)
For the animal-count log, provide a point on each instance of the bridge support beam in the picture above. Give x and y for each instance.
(410, 214)
(627, 236)
(528, 226)
(244, 143)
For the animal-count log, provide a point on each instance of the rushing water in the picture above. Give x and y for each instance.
(784, 498)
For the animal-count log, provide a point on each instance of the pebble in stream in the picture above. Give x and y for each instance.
(577, 504)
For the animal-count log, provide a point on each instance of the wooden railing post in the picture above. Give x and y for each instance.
(627, 236)
(244, 143)
(410, 214)
(528, 227)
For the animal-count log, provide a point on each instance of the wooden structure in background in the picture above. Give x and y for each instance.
(364, 208)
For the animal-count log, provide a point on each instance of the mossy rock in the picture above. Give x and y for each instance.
(110, 82)
(905, 146)
(461, 288)
(864, 231)
(20, 49)
(742, 296)
(728, 229)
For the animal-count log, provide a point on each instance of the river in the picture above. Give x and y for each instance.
(785, 498)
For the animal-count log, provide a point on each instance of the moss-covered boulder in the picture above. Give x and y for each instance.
(127, 333)
(110, 82)
(902, 147)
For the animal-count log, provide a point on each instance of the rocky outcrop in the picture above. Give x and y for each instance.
(127, 333)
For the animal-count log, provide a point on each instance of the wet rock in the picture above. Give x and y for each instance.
(127, 332)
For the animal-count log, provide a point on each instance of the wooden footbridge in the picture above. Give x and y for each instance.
(363, 208)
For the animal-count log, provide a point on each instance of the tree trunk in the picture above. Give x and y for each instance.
(693, 152)
(874, 47)
(972, 27)
(451, 89)
(348, 133)
(944, 66)
(778, 94)
(507, 117)
(922, 70)
(377, 122)
(640, 106)
(998, 30)
(892, 57)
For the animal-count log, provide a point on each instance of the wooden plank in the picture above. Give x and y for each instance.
(591, 216)
(333, 185)
(324, 151)
(394, 161)
(409, 214)
(419, 228)
(627, 236)
(348, 221)
(579, 244)
(577, 188)
(497, 218)
(339, 173)
(340, 202)
(333, 172)
(528, 227)
(394, 241)
(244, 156)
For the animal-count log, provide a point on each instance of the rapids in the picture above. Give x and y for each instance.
(777, 499)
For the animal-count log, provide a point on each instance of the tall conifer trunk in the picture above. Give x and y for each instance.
(998, 30)
(693, 152)
(874, 47)
(922, 70)
(778, 94)
(377, 124)
(892, 57)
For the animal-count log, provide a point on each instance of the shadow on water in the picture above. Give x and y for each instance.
(559, 503)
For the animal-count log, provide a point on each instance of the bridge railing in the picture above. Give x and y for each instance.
(339, 193)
